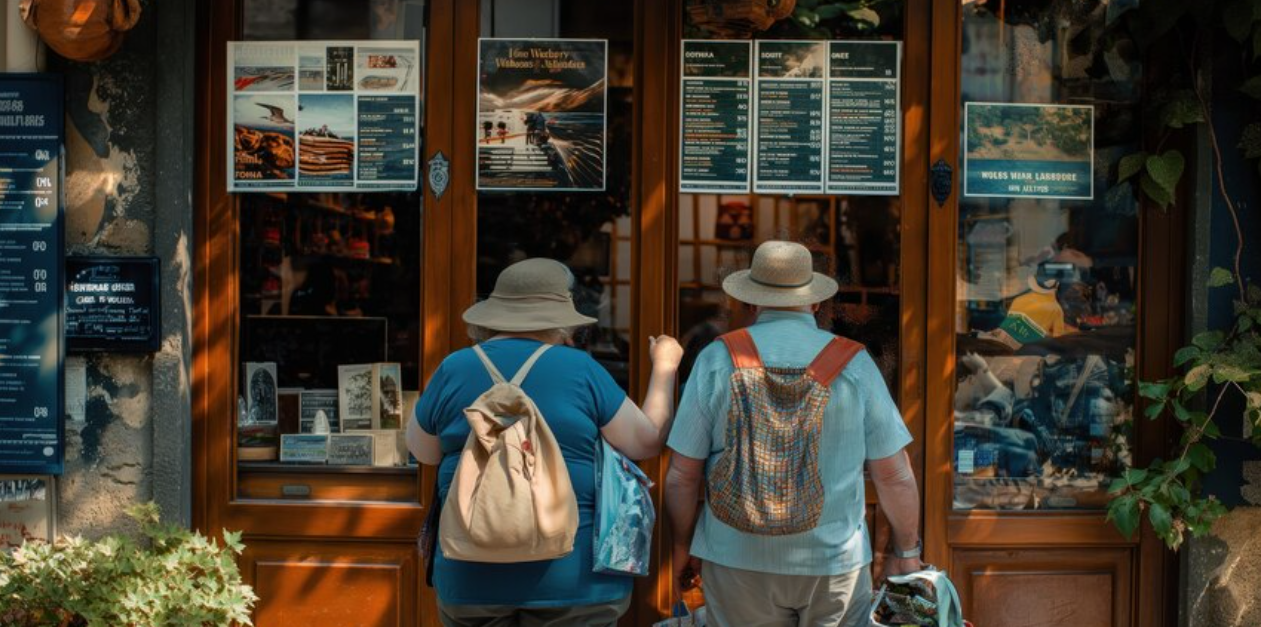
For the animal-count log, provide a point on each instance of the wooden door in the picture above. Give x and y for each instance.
(310, 282)
(1048, 294)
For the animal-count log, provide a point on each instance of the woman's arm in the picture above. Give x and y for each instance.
(640, 434)
(423, 446)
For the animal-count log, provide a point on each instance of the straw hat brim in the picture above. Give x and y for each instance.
(741, 286)
(503, 314)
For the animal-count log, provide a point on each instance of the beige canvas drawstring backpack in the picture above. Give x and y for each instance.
(511, 499)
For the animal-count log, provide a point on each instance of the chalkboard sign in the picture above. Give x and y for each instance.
(112, 304)
(31, 249)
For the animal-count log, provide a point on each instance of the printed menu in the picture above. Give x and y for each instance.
(715, 116)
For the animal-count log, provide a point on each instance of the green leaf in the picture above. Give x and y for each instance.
(1185, 354)
(1201, 457)
(806, 17)
(1220, 277)
(1197, 378)
(1155, 391)
(1180, 412)
(1135, 475)
(1154, 410)
(1252, 87)
(1237, 19)
(866, 15)
(1250, 139)
(829, 11)
(1166, 169)
(1131, 165)
(1183, 108)
(1235, 374)
(1118, 486)
(1162, 522)
(1154, 191)
(1124, 513)
(1208, 340)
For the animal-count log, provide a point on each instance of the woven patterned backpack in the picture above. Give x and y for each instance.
(766, 481)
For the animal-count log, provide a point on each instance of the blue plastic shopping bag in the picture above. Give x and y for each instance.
(624, 515)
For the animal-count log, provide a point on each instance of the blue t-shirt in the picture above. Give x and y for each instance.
(577, 397)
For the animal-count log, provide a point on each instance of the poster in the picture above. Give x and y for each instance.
(31, 294)
(790, 117)
(541, 114)
(1029, 151)
(864, 106)
(715, 116)
(324, 116)
(27, 509)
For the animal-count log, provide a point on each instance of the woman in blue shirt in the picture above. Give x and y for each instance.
(532, 304)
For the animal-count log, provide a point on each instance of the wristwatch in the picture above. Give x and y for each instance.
(915, 551)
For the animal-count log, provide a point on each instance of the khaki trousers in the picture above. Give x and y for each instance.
(597, 615)
(744, 598)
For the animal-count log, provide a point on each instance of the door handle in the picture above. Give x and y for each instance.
(942, 182)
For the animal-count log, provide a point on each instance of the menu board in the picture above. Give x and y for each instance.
(541, 114)
(112, 303)
(715, 116)
(31, 134)
(323, 115)
(863, 111)
(826, 117)
(790, 117)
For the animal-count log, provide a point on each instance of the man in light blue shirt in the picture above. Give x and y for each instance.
(819, 575)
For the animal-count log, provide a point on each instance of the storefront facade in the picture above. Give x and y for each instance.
(1008, 287)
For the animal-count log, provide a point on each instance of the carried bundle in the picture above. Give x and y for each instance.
(924, 598)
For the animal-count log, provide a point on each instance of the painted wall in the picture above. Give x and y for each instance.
(127, 189)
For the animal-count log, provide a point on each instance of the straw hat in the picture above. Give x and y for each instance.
(530, 295)
(782, 275)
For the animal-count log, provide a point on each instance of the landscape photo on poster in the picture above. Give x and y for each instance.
(326, 143)
(385, 69)
(311, 68)
(262, 67)
(1029, 151)
(541, 116)
(263, 144)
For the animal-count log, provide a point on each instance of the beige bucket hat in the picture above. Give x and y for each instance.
(530, 295)
(782, 275)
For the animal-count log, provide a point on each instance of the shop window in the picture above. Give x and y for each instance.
(585, 221)
(855, 238)
(329, 299)
(1047, 259)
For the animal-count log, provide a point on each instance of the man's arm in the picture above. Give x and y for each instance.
(682, 500)
(899, 498)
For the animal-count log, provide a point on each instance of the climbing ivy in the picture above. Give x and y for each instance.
(1208, 36)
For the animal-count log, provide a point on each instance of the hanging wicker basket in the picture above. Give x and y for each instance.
(81, 30)
(738, 19)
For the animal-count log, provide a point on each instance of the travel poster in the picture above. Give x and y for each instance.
(864, 108)
(541, 114)
(788, 155)
(323, 116)
(1029, 151)
(715, 116)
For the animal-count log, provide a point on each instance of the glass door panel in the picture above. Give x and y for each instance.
(582, 222)
(1047, 259)
(855, 238)
(329, 293)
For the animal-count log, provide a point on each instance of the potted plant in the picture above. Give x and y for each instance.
(168, 576)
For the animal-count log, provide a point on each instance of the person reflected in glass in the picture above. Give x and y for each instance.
(532, 306)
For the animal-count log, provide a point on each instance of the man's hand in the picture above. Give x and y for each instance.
(894, 566)
(687, 570)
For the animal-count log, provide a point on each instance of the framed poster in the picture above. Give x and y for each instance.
(302, 448)
(864, 116)
(541, 114)
(715, 116)
(28, 509)
(790, 117)
(311, 403)
(112, 304)
(1016, 150)
(261, 404)
(351, 449)
(323, 115)
(32, 348)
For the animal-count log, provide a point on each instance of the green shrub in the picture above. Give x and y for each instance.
(171, 576)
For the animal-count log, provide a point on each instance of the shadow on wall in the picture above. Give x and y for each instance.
(1227, 562)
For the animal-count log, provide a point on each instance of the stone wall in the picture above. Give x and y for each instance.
(1223, 571)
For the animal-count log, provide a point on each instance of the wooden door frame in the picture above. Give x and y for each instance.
(216, 240)
(1162, 252)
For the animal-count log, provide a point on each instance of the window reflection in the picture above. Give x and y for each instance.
(1046, 288)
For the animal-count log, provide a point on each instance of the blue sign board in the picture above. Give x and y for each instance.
(31, 282)
(1015, 150)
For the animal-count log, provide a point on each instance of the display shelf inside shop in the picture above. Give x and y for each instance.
(319, 482)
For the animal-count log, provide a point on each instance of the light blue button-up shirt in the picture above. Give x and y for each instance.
(861, 423)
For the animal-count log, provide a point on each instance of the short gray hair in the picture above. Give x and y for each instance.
(560, 335)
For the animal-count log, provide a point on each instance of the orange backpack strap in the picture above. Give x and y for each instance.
(833, 359)
(743, 350)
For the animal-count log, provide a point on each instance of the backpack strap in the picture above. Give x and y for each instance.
(832, 360)
(743, 350)
(524, 372)
(495, 376)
